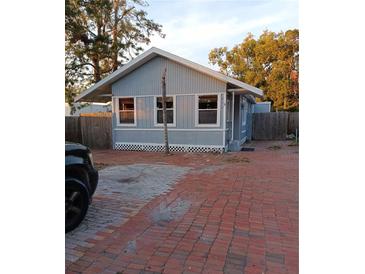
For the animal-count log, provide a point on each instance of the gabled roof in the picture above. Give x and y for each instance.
(101, 91)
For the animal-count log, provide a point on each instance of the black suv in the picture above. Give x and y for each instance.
(81, 181)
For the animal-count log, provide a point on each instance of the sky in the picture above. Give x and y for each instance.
(194, 27)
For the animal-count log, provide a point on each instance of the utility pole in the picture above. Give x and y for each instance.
(164, 118)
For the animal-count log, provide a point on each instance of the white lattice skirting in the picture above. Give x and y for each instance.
(173, 148)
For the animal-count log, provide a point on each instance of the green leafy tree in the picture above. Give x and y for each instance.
(270, 63)
(100, 36)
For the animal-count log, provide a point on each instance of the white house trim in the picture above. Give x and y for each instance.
(224, 118)
(217, 124)
(171, 129)
(232, 137)
(179, 94)
(155, 111)
(159, 147)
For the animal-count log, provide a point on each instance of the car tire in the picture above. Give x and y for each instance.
(76, 203)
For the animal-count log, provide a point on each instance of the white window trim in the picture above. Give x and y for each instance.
(217, 124)
(117, 111)
(155, 111)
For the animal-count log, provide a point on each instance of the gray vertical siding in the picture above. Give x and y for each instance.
(145, 83)
(211, 138)
(146, 80)
(185, 120)
(185, 112)
(145, 112)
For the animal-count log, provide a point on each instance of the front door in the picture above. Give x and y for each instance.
(237, 120)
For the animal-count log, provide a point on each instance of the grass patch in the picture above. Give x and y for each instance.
(237, 160)
(274, 147)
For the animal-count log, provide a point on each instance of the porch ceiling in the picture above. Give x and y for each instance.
(246, 93)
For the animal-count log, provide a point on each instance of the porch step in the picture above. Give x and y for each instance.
(247, 149)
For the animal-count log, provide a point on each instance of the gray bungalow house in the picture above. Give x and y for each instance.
(206, 110)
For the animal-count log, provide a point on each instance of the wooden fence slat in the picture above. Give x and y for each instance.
(92, 131)
(293, 122)
(274, 125)
(72, 129)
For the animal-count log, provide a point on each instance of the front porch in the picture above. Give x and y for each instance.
(239, 108)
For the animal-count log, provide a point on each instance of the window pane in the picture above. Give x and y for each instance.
(207, 116)
(126, 103)
(169, 102)
(126, 117)
(169, 116)
(208, 102)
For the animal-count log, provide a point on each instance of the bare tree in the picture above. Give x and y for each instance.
(164, 118)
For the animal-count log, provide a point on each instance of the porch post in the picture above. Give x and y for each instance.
(224, 119)
(232, 116)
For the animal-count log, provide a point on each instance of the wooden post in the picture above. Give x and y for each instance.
(164, 118)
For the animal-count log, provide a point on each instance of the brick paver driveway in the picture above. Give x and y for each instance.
(230, 213)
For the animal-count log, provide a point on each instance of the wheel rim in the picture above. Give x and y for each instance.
(73, 205)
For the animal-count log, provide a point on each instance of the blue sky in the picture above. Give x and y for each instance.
(194, 27)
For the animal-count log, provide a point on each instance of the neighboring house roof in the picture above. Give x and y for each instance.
(101, 91)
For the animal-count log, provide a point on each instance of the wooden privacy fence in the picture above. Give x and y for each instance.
(73, 129)
(274, 125)
(96, 131)
(92, 131)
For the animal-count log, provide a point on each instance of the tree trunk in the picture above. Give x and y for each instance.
(97, 72)
(115, 34)
(164, 118)
(96, 58)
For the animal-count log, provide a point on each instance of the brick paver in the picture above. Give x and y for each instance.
(231, 213)
(122, 191)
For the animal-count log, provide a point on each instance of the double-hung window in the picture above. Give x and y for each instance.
(207, 110)
(126, 111)
(170, 110)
